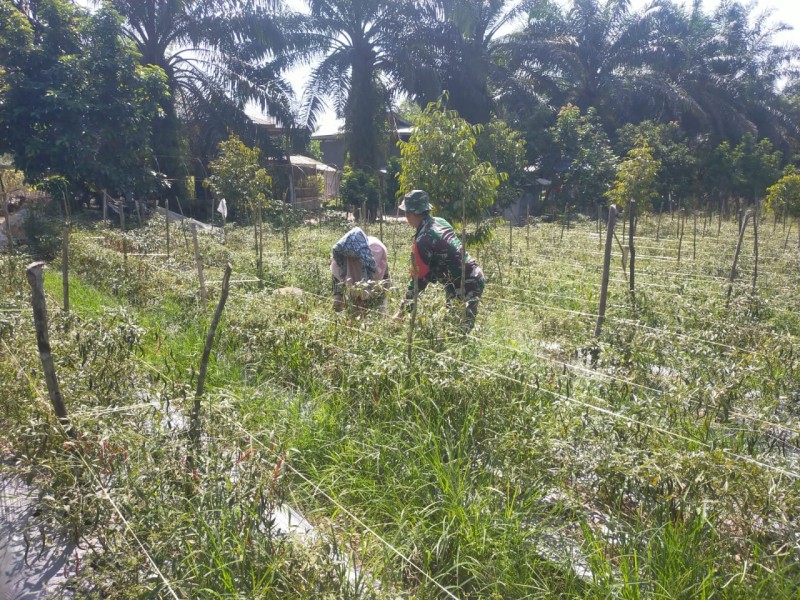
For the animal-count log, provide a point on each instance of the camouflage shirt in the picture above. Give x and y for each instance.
(437, 254)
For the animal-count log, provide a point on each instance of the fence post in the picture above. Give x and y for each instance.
(36, 281)
(124, 235)
(736, 259)
(681, 226)
(694, 237)
(755, 246)
(65, 265)
(105, 208)
(199, 262)
(612, 219)
(10, 241)
(166, 213)
(201, 376)
(632, 216)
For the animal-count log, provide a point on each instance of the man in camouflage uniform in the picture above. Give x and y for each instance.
(439, 256)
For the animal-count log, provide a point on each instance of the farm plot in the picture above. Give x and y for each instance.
(528, 459)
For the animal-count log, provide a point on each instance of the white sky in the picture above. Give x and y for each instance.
(786, 11)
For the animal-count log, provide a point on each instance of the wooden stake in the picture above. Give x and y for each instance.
(124, 235)
(632, 216)
(736, 260)
(694, 237)
(658, 222)
(786, 242)
(105, 207)
(65, 266)
(10, 241)
(166, 214)
(36, 281)
(201, 377)
(199, 262)
(681, 225)
(755, 246)
(612, 219)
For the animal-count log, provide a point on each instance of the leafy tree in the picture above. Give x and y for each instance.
(757, 166)
(636, 179)
(504, 148)
(237, 176)
(670, 148)
(784, 194)
(360, 189)
(440, 158)
(215, 54)
(585, 162)
(75, 102)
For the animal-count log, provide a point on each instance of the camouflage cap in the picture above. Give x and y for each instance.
(416, 201)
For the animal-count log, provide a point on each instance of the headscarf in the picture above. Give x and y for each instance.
(354, 244)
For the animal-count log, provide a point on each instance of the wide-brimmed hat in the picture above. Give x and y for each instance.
(416, 201)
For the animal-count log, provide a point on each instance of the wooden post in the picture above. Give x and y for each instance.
(631, 229)
(755, 245)
(612, 219)
(286, 227)
(183, 223)
(166, 214)
(124, 235)
(36, 281)
(199, 262)
(105, 208)
(694, 237)
(681, 225)
(658, 222)
(528, 226)
(736, 259)
(719, 219)
(65, 265)
(260, 248)
(599, 226)
(786, 241)
(9, 239)
(201, 376)
(510, 241)
(464, 257)
(739, 219)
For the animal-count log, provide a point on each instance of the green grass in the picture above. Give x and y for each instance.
(657, 458)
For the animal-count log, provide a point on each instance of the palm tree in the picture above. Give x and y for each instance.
(355, 42)
(593, 54)
(453, 47)
(722, 72)
(214, 54)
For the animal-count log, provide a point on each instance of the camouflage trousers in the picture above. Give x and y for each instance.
(474, 284)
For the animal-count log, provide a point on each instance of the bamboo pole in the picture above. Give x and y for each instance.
(36, 281)
(201, 376)
(199, 262)
(612, 219)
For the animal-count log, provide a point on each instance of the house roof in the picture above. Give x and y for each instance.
(298, 160)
